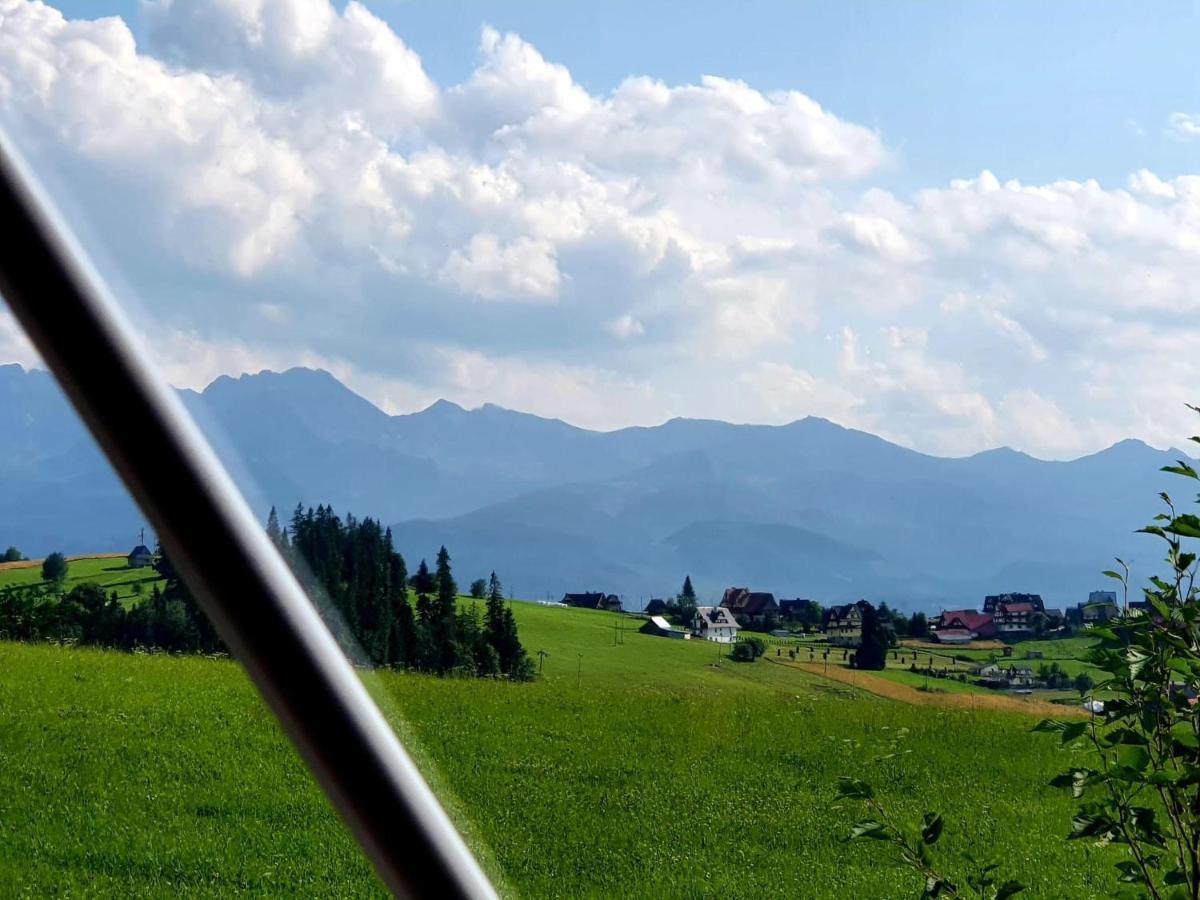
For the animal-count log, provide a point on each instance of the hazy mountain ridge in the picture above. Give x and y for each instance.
(807, 508)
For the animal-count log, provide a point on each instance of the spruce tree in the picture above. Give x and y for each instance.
(872, 649)
(274, 532)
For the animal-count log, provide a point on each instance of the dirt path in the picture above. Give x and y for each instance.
(30, 563)
(892, 690)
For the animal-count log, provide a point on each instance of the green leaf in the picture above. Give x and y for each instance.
(1049, 726)
(1111, 574)
(1133, 757)
(1073, 731)
(1182, 469)
(1089, 824)
(1185, 736)
(932, 829)
(1175, 876)
(1076, 779)
(1185, 525)
(854, 789)
(869, 828)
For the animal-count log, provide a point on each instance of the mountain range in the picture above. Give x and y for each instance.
(805, 509)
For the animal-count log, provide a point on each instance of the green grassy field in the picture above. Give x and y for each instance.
(111, 573)
(639, 769)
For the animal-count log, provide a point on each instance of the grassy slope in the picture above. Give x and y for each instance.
(660, 775)
(111, 573)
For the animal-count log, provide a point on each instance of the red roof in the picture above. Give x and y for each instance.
(965, 618)
(1017, 607)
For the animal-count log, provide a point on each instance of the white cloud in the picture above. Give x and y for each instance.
(283, 183)
(626, 327)
(524, 269)
(1184, 126)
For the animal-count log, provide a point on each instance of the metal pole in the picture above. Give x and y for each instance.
(222, 552)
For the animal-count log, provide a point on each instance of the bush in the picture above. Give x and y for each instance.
(54, 568)
(748, 649)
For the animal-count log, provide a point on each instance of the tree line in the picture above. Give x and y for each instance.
(362, 587)
(352, 571)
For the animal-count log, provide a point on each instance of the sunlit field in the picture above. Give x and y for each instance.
(634, 766)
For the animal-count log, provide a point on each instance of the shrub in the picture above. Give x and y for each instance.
(54, 568)
(748, 649)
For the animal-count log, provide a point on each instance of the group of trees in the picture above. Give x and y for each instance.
(359, 582)
(902, 626)
(361, 585)
(168, 618)
(681, 609)
(12, 554)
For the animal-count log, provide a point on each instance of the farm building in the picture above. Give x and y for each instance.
(140, 557)
(749, 607)
(715, 623)
(660, 627)
(593, 600)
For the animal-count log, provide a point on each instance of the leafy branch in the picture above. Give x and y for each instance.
(913, 843)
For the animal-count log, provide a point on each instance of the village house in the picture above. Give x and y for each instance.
(750, 607)
(993, 601)
(995, 676)
(593, 600)
(1100, 607)
(959, 626)
(1014, 619)
(715, 623)
(140, 557)
(655, 606)
(843, 624)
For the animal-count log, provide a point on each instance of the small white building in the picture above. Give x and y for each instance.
(715, 623)
(660, 627)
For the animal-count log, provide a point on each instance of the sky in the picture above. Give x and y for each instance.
(957, 226)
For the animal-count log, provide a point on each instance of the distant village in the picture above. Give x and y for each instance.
(1005, 617)
(1004, 620)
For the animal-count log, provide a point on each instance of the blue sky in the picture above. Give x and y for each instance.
(954, 225)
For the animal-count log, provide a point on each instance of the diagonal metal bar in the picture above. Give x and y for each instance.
(253, 599)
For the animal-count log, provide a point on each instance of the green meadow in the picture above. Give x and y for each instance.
(109, 572)
(635, 766)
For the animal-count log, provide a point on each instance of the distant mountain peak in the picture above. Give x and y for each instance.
(443, 407)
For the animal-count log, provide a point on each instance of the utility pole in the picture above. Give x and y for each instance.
(579, 672)
(542, 654)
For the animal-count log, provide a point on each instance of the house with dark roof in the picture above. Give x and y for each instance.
(140, 557)
(1100, 607)
(1014, 619)
(749, 607)
(992, 601)
(656, 606)
(843, 624)
(593, 600)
